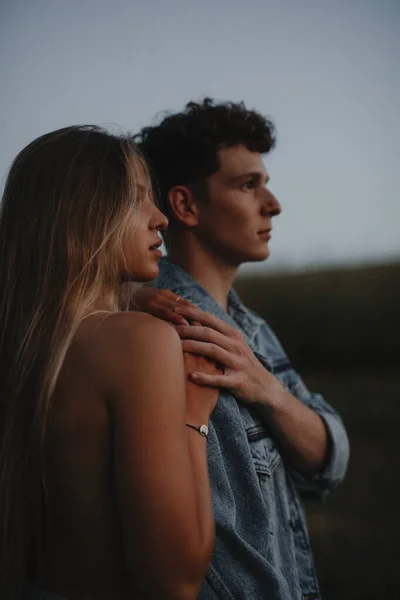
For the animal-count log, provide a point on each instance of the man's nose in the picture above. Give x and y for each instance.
(271, 205)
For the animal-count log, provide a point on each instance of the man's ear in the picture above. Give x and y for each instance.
(183, 205)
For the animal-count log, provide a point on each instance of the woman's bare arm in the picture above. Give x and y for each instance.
(160, 465)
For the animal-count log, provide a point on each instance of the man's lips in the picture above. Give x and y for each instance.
(265, 232)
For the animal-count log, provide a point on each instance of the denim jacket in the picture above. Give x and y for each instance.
(262, 548)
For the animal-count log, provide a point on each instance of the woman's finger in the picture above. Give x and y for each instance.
(194, 323)
(206, 334)
(179, 301)
(166, 314)
(205, 318)
(212, 351)
(170, 299)
(170, 315)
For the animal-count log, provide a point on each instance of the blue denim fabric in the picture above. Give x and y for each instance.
(262, 548)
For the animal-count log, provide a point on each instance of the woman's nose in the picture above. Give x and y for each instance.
(161, 221)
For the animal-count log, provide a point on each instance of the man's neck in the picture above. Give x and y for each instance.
(212, 273)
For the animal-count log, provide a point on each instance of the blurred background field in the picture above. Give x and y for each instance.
(341, 329)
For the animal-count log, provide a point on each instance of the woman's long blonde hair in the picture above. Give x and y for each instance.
(70, 199)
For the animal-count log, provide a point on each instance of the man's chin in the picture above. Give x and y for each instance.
(259, 256)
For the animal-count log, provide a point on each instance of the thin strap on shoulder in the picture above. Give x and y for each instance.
(96, 312)
(106, 314)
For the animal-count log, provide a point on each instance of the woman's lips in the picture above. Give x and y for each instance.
(155, 248)
(156, 251)
(156, 245)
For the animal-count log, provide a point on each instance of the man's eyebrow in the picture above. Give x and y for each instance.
(255, 174)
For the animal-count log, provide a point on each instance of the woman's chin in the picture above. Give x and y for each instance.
(149, 273)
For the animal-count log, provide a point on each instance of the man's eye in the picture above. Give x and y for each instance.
(249, 185)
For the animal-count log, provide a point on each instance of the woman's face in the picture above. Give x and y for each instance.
(142, 251)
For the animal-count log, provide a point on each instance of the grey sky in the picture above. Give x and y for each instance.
(327, 72)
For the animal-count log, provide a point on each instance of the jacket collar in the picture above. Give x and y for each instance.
(173, 277)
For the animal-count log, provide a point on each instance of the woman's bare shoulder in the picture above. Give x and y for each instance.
(125, 339)
(137, 328)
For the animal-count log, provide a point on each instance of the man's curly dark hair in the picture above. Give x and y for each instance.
(183, 148)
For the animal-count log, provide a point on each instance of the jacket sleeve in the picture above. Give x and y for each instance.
(335, 466)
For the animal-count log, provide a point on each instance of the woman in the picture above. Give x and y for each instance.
(104, 492)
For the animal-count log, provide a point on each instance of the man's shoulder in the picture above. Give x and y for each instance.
(170, 276)
(265, 340)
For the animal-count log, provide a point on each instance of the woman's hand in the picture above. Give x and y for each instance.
(160, 304)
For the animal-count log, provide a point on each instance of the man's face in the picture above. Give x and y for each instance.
(236, 221)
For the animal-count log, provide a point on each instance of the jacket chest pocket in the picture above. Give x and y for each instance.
(265, 455)
(266, 460)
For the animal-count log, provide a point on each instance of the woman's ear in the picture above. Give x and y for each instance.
(183, 205)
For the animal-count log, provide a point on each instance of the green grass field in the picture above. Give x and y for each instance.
(342, 332)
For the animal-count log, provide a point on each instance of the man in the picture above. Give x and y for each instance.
(270, 439)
